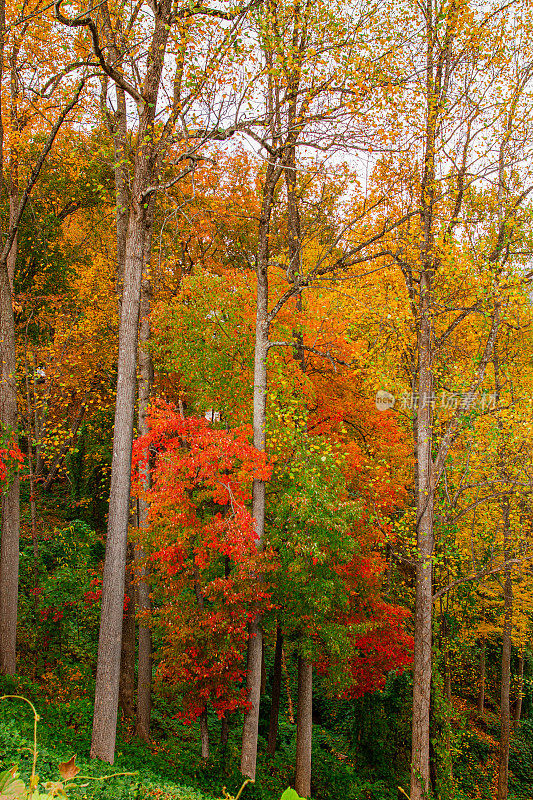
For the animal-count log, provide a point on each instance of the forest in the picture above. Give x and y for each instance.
(266, 399)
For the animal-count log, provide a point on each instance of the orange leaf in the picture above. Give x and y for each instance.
(68, 769)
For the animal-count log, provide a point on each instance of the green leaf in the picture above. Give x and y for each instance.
(10, 786)
(290, 794)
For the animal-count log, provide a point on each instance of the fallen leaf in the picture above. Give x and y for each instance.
(68, 769)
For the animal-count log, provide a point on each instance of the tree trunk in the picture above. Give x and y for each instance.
(30, 432)
(447, 677)
(204, 735)
(9, 556)
(108, 670)
(422, 666)
(505, 708)
(255, 633)
(144, 684)
(276, 695)
(482, 679)
(263, 671)
(127, 659)
(224, 731)
(253, 685)
(520, 695)
(304, 728)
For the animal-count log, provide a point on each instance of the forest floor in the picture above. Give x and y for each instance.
(171, 769)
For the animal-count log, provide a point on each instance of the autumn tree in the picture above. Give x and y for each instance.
(201, 538)
(467, 183)
(189, 120)
(38, 85)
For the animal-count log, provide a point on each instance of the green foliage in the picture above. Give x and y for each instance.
(521, 760)
(93, 781)
(59, 603)
(205, 336)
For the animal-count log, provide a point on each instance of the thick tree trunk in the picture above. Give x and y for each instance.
(204, 735)
(127, 658)
(263, 671)
(9, 556)
(276, 695)
(253, 685)
(520, 695)
(482, 679)
(505, 708)
(304, 728)
(108, 671)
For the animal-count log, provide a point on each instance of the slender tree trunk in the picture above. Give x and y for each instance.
(224, 731)
(304, 728)
(255, 633)
(31, 474)
(204, 735)
(422, 664)
(447, 677)
(505, 707)
(127, 659)
(290, 709)
(144, 684)
(520, 695)
(9, 556)
(482, 679)
(276, 695)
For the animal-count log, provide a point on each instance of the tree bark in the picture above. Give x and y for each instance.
(144, 683)
(505, 707)
(482, 679)
(204, 735)
(127, 658)
(255, 637)
(422, 663)
(108, 669)
(447, 677)
(304, 728)
(276, 695)
(30, 432)
(224, 731)
(9, 555)
(263, 671)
